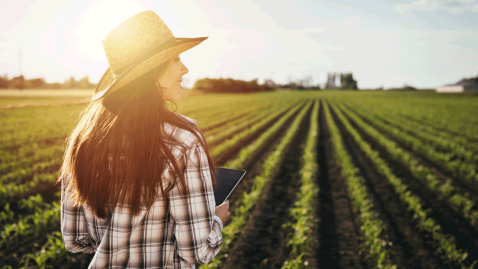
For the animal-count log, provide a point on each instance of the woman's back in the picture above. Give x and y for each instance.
(159, 237)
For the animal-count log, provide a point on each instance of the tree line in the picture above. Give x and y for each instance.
(39, 83)
(229, 85)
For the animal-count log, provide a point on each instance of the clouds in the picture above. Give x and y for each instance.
(453, 6)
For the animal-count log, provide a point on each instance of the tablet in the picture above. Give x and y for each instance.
(226, 182)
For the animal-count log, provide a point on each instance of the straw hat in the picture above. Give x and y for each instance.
(136, 46)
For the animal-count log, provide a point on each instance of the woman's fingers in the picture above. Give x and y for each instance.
(222, 211)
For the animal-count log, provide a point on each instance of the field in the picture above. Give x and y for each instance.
(334, 179)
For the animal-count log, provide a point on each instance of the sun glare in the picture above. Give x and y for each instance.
(113, 22)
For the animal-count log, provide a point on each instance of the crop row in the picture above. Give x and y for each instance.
(223, 132)
(463, 170)
(19, 175)
(445, 243)
(233, 114)
(27, 205)
(34, 156)
(247, 202)
(445, 189)
(226, 144)
(304, 218)
(197, 108)
(444, 140)
(435, 116)
(25, 126)
(371, 226)
(26, 229)
(459, 146)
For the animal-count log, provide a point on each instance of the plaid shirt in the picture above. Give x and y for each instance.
(186, 233)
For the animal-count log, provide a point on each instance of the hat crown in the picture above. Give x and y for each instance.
(134, 38)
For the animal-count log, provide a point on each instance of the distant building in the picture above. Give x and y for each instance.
(457, 88)
(464, 85)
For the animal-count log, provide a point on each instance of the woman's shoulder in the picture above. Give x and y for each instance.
(180, 136)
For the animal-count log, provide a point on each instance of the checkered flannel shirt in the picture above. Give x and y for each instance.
(186, 233)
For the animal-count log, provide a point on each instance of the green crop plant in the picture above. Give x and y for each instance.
(303, 211)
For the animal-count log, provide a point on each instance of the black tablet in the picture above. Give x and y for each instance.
(226, 182)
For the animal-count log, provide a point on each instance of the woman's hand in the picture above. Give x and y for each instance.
(222, 211)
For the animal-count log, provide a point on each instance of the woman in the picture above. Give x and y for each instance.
(137, 179)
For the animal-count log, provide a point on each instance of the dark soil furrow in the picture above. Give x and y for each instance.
(407, 247)
(452, 223)
(43, 189)
(263, 244)
(339, 246)
(328, 252)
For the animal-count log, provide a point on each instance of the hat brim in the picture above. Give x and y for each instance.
(109, 83)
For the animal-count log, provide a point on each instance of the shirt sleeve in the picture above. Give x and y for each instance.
(74, 227)
(198, 234)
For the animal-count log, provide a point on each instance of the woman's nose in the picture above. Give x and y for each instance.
(184, 69)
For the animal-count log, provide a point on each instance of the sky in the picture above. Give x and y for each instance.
(387, 43)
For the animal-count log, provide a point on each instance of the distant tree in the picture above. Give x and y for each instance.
(270, 83)
(469, 81)
(35, 83)
(70, 83)
(404, 88)
(229, 85)
(18, 82)
(315, 87)
(347, 81)
(84, 83)
(4, 81)
(55, 85)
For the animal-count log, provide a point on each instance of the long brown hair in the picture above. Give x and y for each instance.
(119, 149)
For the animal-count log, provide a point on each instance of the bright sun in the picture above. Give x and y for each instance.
(113, 21)
(97, 20)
